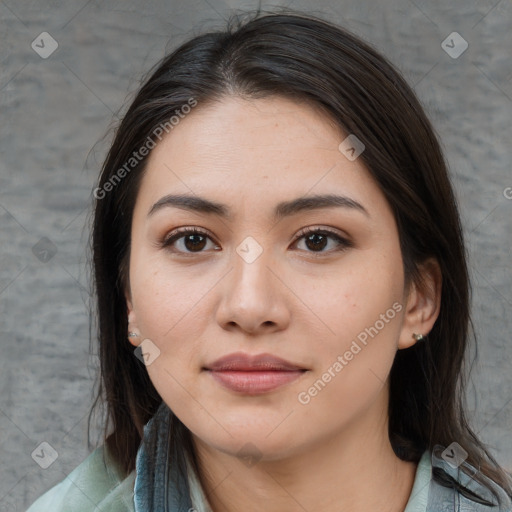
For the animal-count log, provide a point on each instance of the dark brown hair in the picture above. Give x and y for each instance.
(303, 58)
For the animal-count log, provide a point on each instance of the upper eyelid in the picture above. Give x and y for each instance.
(330, 230)
(187, 230)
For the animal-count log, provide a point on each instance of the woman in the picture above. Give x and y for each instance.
(283, 295)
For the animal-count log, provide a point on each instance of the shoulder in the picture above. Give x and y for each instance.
(96, 482)
(460, 486)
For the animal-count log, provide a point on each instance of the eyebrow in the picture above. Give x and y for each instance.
(284, 209)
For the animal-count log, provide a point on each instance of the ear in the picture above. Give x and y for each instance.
(132, 321)
(423, 304)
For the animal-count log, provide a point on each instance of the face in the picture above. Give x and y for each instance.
(319, 284)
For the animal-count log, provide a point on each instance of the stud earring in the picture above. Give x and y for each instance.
(133, 335)
(418, 337)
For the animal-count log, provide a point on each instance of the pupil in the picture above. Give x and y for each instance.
(311, 238)
(194, 245)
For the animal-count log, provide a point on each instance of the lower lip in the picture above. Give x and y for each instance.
(256, 382)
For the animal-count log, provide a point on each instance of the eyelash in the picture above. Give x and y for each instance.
(343, 243)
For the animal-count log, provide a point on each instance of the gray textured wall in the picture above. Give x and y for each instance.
(55, 109)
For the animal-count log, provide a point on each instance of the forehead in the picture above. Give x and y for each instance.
(235, 127)
(267, 149)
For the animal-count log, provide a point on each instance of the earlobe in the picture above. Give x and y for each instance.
(423, 305)
(133, 338)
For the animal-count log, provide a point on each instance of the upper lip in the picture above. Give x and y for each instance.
(240, 361)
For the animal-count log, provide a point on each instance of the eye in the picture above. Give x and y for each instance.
(317, 239)
(193, 240)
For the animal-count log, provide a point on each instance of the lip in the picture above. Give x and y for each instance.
(253, 375)
(239, 361)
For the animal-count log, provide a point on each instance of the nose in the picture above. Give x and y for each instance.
(253, 297)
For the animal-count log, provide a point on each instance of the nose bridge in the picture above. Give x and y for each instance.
(251, 296)
(251, 274)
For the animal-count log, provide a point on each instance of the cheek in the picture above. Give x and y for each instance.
(166, 298)
(171, 314)
(355, 356)
(350, 297)
(360, 309)
(167, 313)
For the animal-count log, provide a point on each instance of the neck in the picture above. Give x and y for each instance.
(354, 470)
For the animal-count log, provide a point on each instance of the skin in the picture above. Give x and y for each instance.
(333, 453)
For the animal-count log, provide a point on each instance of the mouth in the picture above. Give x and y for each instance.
(253, 375)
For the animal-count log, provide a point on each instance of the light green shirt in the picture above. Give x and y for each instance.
(94, 486)
(419, 494)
